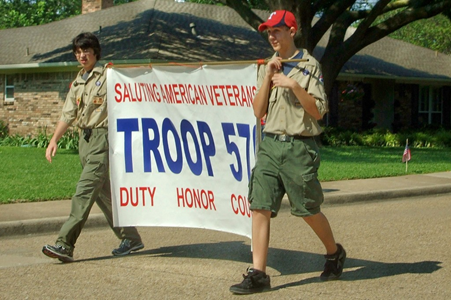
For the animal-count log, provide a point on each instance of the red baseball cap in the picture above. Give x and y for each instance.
(279, 18)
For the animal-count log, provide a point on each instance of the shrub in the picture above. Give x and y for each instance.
(442, 138)
(376, 139)
(42, 140)
(68, 141)
(331, 136)
(14, 140)
(3, 129)
(422, 139)
(427, 137)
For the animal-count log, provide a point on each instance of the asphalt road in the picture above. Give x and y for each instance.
(397, 249)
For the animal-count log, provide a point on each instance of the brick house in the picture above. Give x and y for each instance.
(403, 85)
(389, 84)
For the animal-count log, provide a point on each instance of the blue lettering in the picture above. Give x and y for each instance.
(244, 132)
(232, 148)
(195, 141)
(151, 145)
(174, 165)
(187, 128)
(209, 148)
(127, 126)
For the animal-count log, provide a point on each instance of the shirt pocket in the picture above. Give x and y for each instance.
(99, 93)
(272, 98)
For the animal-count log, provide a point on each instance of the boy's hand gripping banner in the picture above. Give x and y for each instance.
(182, 145)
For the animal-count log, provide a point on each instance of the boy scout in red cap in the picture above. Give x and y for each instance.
(292, 96)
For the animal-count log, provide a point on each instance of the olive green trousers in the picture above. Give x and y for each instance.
(93, 186)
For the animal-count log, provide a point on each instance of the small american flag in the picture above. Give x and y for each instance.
(406, 154)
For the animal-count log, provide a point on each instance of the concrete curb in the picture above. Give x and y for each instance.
(45, 225)
(33, 226)
(388, 194)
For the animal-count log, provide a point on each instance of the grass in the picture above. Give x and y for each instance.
(355, 162)
(27, 176)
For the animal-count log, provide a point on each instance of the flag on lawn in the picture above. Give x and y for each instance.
(406, 154)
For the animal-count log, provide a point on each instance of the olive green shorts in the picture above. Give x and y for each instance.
(286, 167)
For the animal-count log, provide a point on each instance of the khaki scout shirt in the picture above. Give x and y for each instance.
(285, 113)
(86, 101)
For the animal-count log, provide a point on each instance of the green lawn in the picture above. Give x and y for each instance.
(339, 163)
(27, 176)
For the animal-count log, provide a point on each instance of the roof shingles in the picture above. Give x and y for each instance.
(160, 30)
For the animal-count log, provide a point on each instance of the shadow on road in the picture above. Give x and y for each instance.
(371, 270)
(287, 262)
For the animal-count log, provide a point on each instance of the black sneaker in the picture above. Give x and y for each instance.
(254, 282)
(59, 252)
(127, 246)
(334, 264)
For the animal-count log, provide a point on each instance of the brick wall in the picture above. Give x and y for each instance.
(403, 107)
(38, 100)
(349, 109)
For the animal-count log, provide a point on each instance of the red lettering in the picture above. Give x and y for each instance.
(134, 203)
(216, 95)
(152, 92)
(152, 194)
(124, 200)
(126, 93)
(211, 198)
(236, 94)
(183, 94)
(222, 87)
(240, 205)
(169, 92)
(143, 189)
(180, 197)
(136, 195)
(118, 90)
(200, 95)
(229, 93)
(195, 198)
(138, 94)
(189, 198)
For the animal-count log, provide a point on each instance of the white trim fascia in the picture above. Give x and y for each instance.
(398, 79)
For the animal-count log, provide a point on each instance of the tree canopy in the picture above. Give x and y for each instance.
(20, 13)
(433, 33)
(372, 20)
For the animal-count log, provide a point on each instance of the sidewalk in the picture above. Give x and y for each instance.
(39, 217)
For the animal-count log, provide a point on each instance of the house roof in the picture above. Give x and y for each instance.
(395, 58)
(146, 29)
(167, 30)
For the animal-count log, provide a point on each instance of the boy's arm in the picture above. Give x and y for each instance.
(260, 103)
(307, 101)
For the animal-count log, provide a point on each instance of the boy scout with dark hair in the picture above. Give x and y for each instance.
(292, 96)
(86, 104)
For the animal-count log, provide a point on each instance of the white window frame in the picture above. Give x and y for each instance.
(8, 86)
(430, 98)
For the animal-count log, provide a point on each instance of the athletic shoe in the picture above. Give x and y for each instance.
(334, 264)
(254, 282)
(59, 252)
(127, 246)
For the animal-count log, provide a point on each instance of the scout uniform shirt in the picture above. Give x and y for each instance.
(285, 113)
(86, 101)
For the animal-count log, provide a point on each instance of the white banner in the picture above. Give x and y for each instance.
(182, 146)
